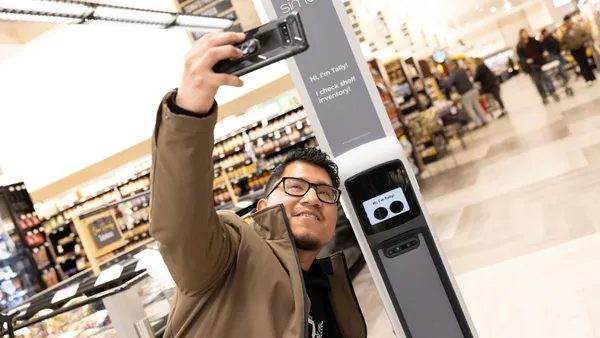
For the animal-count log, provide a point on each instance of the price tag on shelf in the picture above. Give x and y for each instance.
(65, 293)
(299, 125)
(288, 129)
(109, 274)
(264, 122)
(277, 135)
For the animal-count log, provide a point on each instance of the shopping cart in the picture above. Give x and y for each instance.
(552, 69)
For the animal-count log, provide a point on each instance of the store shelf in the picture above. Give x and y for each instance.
(233, 152)
(11, 277)
(134, 178)
(287, 147)
(235, 166)
(282, 131)
(255, 124)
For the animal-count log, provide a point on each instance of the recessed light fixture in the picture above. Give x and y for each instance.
(507, 6)
(134, 15)
(44, 6)
(78, 12)
(493, 10)
(38, 18)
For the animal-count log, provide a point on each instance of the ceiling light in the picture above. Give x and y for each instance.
(133, 15)
(77, 12)
(507, 6)
(196, 29)
(190, 21)
(44, 6)
(38, 18)
(493, 10)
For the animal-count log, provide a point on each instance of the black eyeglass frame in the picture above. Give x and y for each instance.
(310, 185)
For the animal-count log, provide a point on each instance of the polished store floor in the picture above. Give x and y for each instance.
(519, 219)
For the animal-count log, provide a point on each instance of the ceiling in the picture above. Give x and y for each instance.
(19, 33)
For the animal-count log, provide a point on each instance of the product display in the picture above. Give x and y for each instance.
(23, 254)
(428, 135)
(89, 317)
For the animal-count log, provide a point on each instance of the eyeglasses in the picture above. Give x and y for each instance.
(298, 187)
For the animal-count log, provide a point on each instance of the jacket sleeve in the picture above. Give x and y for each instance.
(196, 247)
(478, 74)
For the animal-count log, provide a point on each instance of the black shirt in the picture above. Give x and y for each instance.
(321, 321)
(552, 45)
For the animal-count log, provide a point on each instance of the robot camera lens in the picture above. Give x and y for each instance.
(380, 213)
(397, 207)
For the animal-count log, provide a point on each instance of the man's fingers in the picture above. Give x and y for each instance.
(210, 40)
(227, 80)
(226, 38)
(217, 54)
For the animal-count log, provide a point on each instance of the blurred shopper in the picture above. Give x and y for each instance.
(576, 39)
(489, 82)
(256, 277)
(553, 48)
(532, 56)
(469, 94)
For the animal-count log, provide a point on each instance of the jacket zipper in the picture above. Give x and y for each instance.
(304, 296)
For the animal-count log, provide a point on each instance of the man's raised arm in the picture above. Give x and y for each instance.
(196, 247)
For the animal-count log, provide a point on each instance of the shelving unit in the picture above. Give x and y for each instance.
(242, 161)
(25, 263)
(64, 241)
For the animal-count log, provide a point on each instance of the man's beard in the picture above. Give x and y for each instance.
(307, 243)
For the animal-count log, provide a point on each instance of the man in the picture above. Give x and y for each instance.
(552, 46)
(489, 83)
(252, 279)
(532, 57)
(576, 39)
(469, 95)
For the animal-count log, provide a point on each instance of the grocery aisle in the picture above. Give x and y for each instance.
(518, 219)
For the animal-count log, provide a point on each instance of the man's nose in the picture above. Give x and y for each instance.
(311, 197)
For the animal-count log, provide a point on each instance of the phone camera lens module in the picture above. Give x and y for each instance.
(249, 47)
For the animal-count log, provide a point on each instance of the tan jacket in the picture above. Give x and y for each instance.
(234, 278)
(574, 38)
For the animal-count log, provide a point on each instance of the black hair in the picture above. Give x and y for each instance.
(312, 156)
(544, 31)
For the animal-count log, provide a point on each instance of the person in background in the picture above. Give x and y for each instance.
(552, 45)
(489, 83)
(256, 277)
(576, 39)
(532, 56)
(469, 94)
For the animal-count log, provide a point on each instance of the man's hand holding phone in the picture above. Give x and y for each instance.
(199, 83)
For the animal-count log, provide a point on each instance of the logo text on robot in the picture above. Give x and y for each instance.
(292, 5)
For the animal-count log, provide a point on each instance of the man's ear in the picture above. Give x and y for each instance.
(262, 203)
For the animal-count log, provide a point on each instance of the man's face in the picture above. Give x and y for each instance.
(312, 221)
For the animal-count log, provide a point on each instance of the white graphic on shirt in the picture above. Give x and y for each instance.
(314, 330)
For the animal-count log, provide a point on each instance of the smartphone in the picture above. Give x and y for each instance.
(272, 42)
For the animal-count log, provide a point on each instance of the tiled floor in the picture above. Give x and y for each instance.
(519, 220)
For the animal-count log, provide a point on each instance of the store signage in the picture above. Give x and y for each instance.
(109, 275)
(333, 78)
(65, 293)
(104, 231)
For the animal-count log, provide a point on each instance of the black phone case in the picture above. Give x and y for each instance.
(269, 49)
